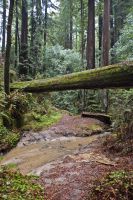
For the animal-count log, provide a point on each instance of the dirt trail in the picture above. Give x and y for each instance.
(67, 164)
(71, 177)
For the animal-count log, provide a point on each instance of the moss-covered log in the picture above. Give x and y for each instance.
(113, 76)
(100, 116)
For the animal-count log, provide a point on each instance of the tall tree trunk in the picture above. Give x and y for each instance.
(111, 24)
(106, 33)
(83, 92)
(100, 36)
(71, 25)
(32, 30)
(8, 49)
(39, 12)
(106, 46)
(45, 22)
(16, 37)
(23, 68)
(112, 31)
(45, 3)
(76, 40)
(82, 31)
(91, 35)
(4, 27)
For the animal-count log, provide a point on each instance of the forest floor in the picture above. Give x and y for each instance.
(68, 157)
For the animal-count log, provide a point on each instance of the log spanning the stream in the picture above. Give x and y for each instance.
(113, 76)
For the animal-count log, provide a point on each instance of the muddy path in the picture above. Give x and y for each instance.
(67, 157)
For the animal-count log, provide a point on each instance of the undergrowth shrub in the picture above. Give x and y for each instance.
(121, 109)
(15, 186)
(116, 185)
(8, 138)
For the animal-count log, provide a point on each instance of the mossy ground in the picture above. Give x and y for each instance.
(36, 122)
(15, 186)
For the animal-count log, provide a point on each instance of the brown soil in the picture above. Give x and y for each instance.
(78, 126)
(73, 177)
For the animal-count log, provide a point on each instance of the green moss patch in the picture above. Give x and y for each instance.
(37, 122)
(15, 186)
(116, 185)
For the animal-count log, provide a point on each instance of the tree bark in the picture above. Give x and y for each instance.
(91, 35)
(82, 31)
(4, 27)
(8, 49)
(100, 20)
(106, 33)
(23, 68)
(113, 76)
(106, 47)
(45, 22)
(16, 37)
(71, 25)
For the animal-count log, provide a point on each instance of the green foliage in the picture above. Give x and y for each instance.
(2, 100)
(8, 139)
(116, 185)
(61, 61)
(3, 132)
(12, 139)
(123, 47)
(12, 108)
(15, 186)
(17, 103)
(121, 102)
(67, 100)
(77, 101)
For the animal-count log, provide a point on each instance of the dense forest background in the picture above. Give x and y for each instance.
(51, 38)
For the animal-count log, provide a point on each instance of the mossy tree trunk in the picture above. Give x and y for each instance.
(113, 76)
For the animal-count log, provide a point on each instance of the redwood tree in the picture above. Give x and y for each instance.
(4, 27)
(71, 25)
(45, 21)
(16, 36)
(106, 46)
(23, 68)
(8, 49)
(106, 33)
(91, 35)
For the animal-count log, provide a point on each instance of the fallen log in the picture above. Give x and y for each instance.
(100, 116)
(113, 76)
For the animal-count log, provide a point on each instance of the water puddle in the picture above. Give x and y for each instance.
(29, 157)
